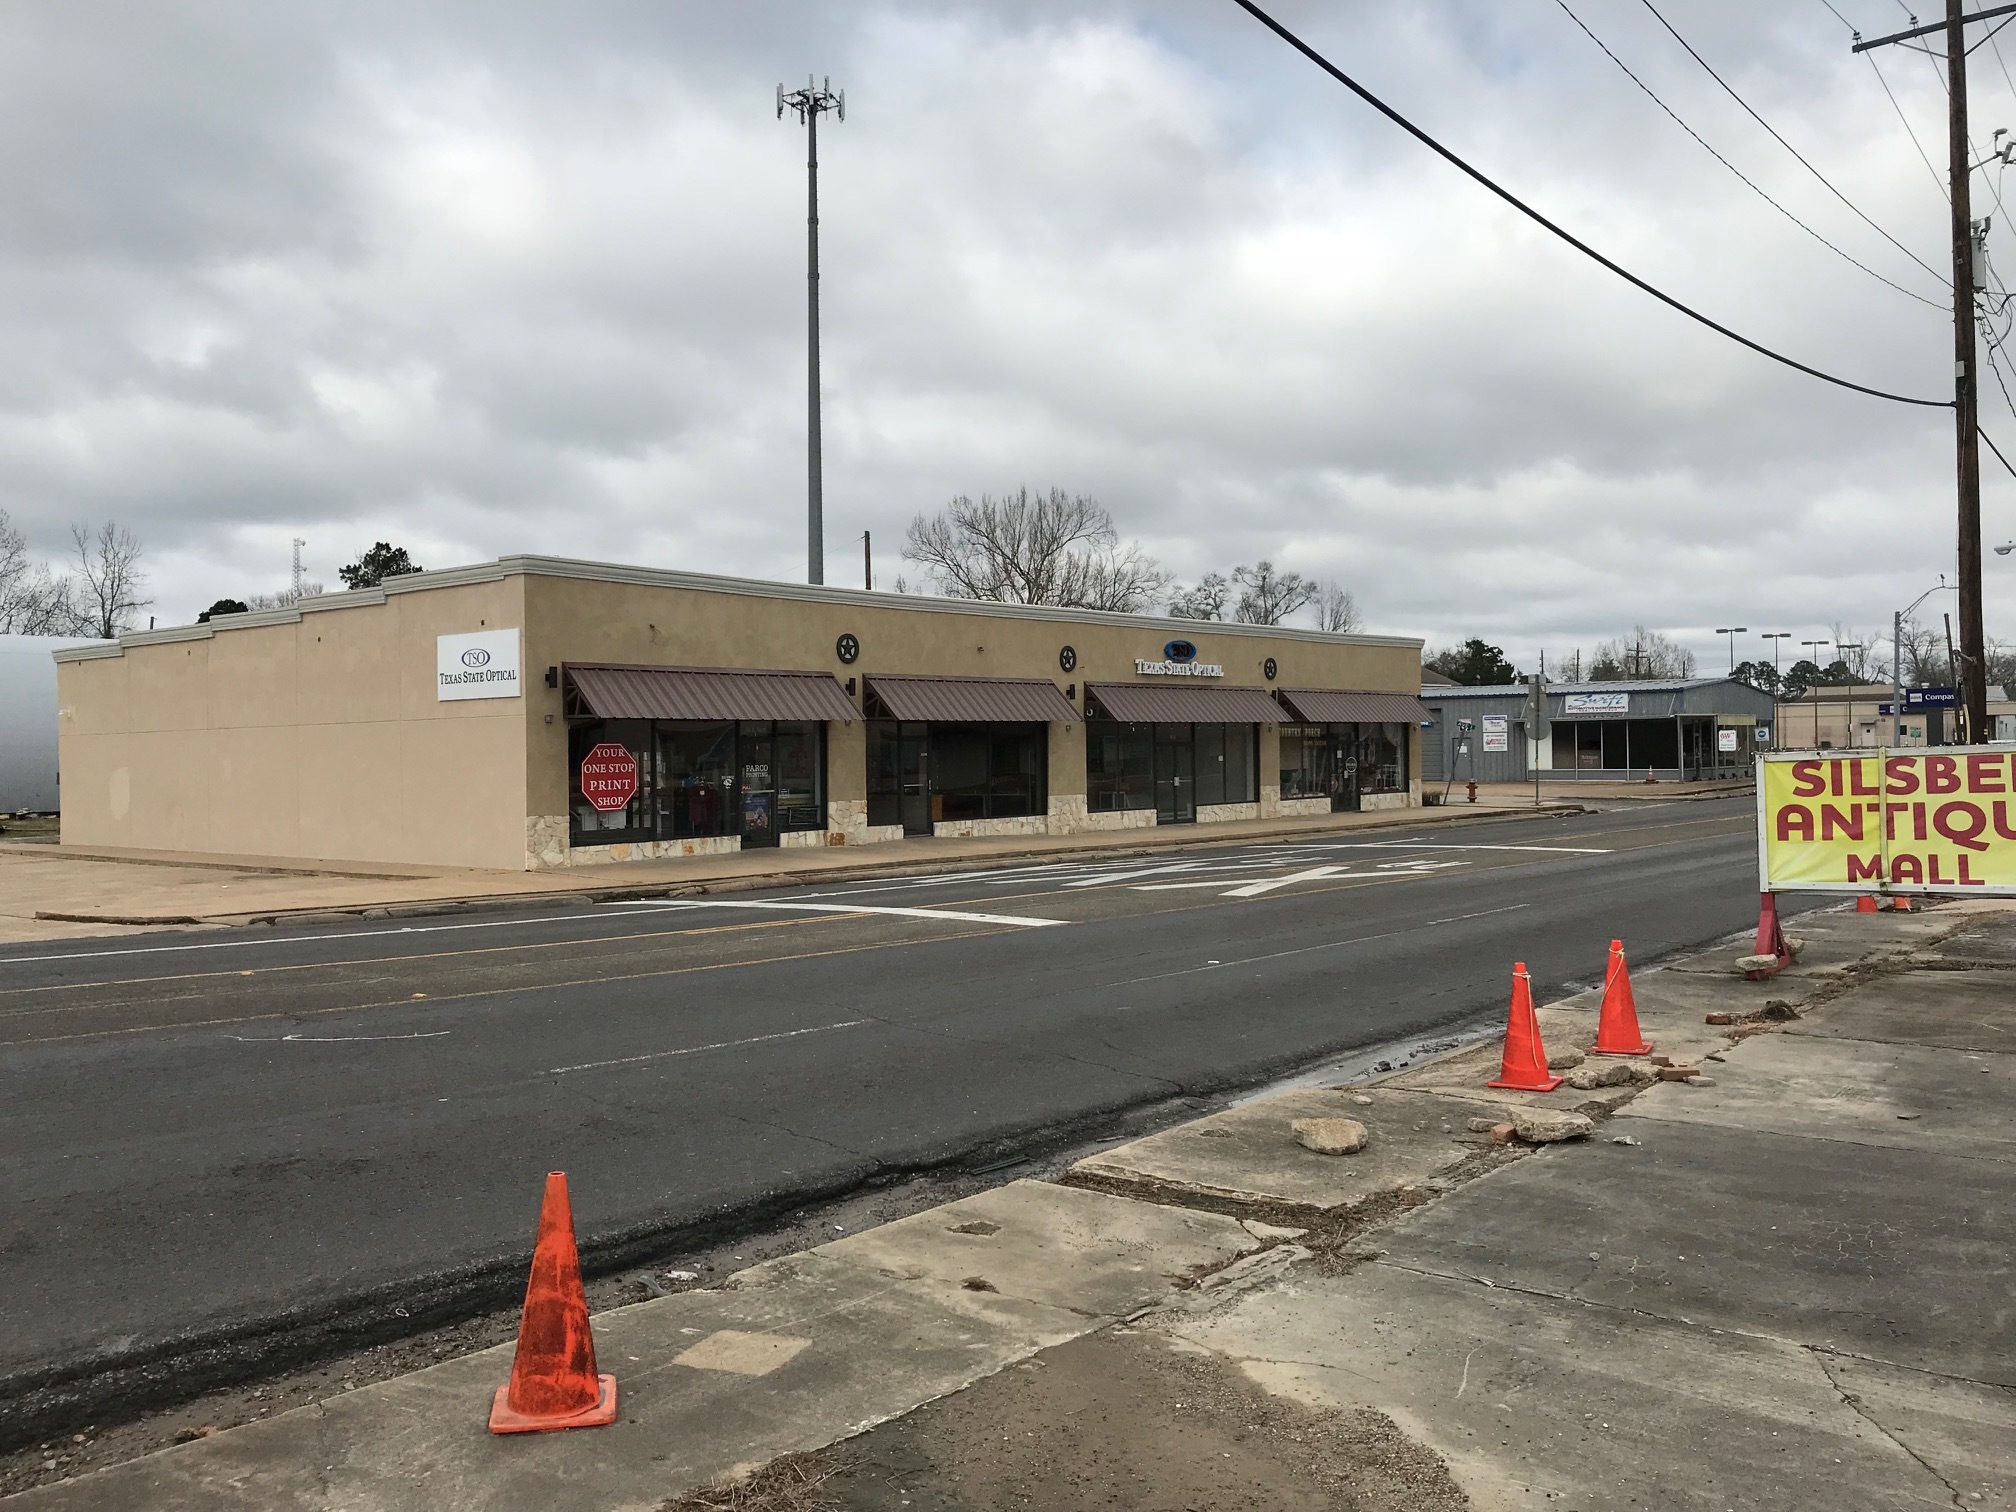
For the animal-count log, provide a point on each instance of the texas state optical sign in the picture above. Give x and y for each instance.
(1922, 821)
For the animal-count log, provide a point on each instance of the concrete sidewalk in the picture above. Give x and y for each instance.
(57, 892)
(1785, 1284)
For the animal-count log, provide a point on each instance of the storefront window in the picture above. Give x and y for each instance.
(801, 788)
(610, 827)
(1307, 761)
(698, 779)
(1119, 766)
(1225, 763)
(1381, 753)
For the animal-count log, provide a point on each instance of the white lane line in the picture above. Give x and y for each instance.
(1313, 874)
(272, 941)
(756, 1039)
(1335, 873)
(1546, 850)
(841, 910)
(331, 1039)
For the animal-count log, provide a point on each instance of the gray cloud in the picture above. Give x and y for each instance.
(525, 278)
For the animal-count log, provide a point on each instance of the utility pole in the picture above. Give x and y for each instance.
(809, 103)
(1972, 671)
(867, 562)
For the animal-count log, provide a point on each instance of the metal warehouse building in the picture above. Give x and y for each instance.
(1695, 730)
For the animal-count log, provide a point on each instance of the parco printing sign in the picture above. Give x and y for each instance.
(482, 664)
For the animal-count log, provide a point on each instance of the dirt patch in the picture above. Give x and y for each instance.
(794, 1483)
(1119, 1419)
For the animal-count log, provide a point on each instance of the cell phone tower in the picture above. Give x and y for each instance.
(809, 104)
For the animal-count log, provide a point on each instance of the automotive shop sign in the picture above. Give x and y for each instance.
(1889, 821)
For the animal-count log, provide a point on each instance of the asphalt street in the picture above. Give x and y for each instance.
(253, 1140)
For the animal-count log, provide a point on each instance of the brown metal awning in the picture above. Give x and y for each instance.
(1183, 703)
(971, 700)
(603, 690)
(1343, 706)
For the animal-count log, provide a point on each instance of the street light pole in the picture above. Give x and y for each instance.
(1897, 660)
(808, 103)
(1814, 691)
(1732, 632)
(1776, 637)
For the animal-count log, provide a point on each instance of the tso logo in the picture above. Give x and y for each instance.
(475, 656)
(1180, 651)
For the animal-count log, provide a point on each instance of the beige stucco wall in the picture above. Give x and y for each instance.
(319, 734)
(316, 737)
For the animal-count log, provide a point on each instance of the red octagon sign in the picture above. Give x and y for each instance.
(609, 776)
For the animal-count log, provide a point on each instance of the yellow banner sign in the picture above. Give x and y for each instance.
(1889, 821)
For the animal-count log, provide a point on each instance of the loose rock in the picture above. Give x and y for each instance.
(1483, 1125)
(1643, 1072)
(1721, 1018)
(1700, 1081)
(1589, 1078)
(1502, 1133)
(1331, 1136)
(1678, 1073)
(1565, 1060)
(1546, 1125)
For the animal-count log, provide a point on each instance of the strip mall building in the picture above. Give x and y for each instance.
(534, 712)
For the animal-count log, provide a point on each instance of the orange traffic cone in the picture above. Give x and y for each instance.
(1617, 1031)
(1866, 903)
(553, 1382)
(1901, 903)
(1524, 1068)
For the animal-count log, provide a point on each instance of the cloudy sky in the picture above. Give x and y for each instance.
(510, 277)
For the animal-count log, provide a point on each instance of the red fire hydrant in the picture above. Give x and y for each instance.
(1472, 786)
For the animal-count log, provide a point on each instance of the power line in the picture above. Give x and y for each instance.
(1789, 147)
(1567, 236)
(1995, 449)
(1944, 192)
(1654, 98)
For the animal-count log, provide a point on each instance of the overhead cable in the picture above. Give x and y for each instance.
(1567, 236)
(1789, 147)
(1944, 193)
(1747, 180)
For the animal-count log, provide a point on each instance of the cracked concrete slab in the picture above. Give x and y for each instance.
(1903, 1255)
(885, 1320)
(1962, 1432)
(1905, 1097)
(1538, 1402)
(1248, 1154)
(1831, 943)
(875, 1347)
(1058, 1246)
(1960, 1010)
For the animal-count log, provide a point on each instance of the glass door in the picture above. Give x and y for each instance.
(757, 770)
(913, 779)
(1175, 774)
(1345, 787)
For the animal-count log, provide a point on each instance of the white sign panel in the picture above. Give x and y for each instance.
(1725, 740)
(1177, 669)
(1497, 735)
(1596, 703)
(483, 664)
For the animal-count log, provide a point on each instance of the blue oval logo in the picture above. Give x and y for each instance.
(475, 656)
(1180, 651)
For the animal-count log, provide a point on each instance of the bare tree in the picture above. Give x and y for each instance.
(1856, 649)
(1337, 609)
(1053, 548)
(33, 600)
(285, 598)
(1922, 650)
(1267, 596)
(1206, 601)
(1642, 653)
(109, 580)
